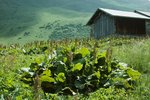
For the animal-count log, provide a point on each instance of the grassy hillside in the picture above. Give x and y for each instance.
(20, 19)
(14, 29)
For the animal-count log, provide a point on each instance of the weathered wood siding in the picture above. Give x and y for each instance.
(148, 27)
(103, 25)
(92, 30)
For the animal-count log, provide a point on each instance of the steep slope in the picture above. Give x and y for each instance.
(19, 17)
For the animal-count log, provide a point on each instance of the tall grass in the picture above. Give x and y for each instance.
(137, 54)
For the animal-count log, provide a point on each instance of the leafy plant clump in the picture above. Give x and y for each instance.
(71, 70)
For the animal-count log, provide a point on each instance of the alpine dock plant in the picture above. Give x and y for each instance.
(72, 70)
(79, 69)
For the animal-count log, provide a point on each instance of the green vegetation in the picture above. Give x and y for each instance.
(33, 24)
(76, 69)
(62, 67)
(19, 17)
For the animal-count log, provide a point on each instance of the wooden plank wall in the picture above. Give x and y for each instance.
(103, 25)
(148, 27)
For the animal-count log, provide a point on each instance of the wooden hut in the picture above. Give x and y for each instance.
(108, 21)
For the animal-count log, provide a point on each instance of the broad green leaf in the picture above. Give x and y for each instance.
(39, 59)
(123, 66)
(97, 74)
(19, 97)
(133, 74)
(121, 82)
(82, 61)
(118, 81)
(65, 59)
(103, 54)
(61, 77)
(47, 79)
(127, 85)
(79, 85)
(26, 80)
(34, 67)
(47, 72)
(77, 67)
(84, 51)
(60, 67)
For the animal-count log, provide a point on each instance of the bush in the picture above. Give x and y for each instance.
(71, 70)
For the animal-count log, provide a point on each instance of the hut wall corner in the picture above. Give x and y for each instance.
(148, 27)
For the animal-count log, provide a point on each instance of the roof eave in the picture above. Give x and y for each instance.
(140, 12)
(92, 18)
(133, 17)
(94, 15)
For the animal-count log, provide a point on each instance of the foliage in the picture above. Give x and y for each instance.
(71, 70)
(49, 63)
(67, 31)
(136, 54)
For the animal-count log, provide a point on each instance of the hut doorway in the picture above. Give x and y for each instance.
(130, 26)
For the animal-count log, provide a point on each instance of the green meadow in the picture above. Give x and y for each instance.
(14, 31)
(46, 53)
(119, 69)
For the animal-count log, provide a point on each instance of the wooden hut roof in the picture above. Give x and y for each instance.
(116, 13)
(143, 13)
